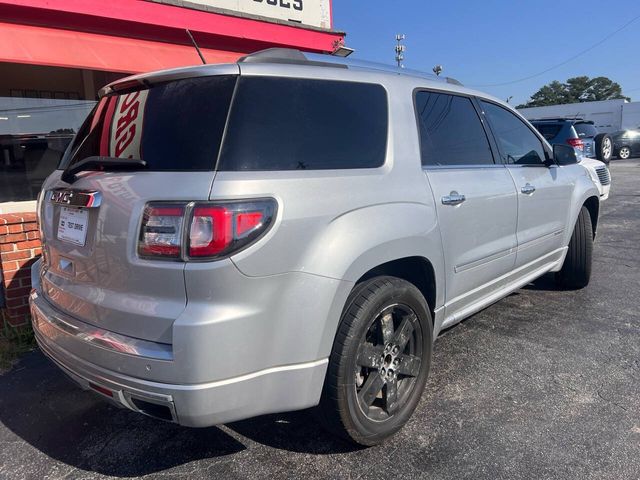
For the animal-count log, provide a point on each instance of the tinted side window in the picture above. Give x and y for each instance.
(450, 131)
(299, 124)
(518, 144)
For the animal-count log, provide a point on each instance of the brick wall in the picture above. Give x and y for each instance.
(19, 248)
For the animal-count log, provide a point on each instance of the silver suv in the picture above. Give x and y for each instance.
(293, 231)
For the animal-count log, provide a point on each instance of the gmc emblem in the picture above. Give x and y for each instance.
(62, 196)
(76, 198)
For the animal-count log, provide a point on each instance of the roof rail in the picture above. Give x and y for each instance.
(287, 56)
(297, 57)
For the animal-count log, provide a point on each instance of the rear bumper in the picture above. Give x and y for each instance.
(196, 405)
(233, 355)
(275, 389)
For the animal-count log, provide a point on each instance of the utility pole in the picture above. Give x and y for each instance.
(400, 49)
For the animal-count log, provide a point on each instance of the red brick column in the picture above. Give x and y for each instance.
(19, 248)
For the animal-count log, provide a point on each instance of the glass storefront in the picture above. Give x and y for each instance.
(34, 133)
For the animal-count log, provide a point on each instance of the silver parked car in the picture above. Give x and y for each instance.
(293, 231)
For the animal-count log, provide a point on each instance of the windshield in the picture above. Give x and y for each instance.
(171, 126)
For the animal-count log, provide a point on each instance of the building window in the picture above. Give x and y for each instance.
(34, 133)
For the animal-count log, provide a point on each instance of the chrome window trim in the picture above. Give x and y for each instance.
(461, 167)
(529, 165)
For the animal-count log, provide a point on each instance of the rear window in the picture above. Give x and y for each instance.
(172, 126)
(585, 130)
(301, 124)
(548, 130)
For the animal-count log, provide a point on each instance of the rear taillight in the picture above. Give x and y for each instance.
(576, 143)
(213, 230)
(161, 233)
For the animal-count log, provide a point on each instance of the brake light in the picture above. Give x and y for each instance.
(213, 230)
(576, 143)
(210, 232)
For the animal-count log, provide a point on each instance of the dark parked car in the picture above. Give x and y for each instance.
(626, 143)
(580, 134)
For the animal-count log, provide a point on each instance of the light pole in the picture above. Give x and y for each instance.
(509, 98)
(400, 49)
(437, 70)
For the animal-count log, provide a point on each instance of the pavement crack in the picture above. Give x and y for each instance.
(609, 401)
(524, 373)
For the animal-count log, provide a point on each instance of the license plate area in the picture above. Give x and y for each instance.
(72, 225)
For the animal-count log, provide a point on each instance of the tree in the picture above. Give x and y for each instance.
(575, 90)
(602, 88)
(551, 94)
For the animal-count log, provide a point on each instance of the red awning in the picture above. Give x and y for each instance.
(66, 48)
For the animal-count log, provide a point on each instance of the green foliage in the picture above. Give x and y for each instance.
(14, 341)
(575, 90)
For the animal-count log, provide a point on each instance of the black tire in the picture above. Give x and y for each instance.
(373, 306)
(624, 153)
(576, 270)
(604, 147)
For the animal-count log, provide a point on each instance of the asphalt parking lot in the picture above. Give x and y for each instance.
(543, 384)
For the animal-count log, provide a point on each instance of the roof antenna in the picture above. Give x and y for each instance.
(196, 45)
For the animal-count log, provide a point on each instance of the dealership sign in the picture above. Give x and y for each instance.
(126, 125)
(308, 12)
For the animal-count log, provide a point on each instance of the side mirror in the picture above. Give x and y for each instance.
(564, 154)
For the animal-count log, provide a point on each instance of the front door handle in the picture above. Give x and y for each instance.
(528, 189)
(454, 198)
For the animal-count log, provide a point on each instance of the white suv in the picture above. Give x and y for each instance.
(599, 173)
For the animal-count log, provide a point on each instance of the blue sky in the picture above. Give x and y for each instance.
(494, 41)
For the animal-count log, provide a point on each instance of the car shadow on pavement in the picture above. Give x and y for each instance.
(545, 283)
(45, 409)
(39, 404)
(297, 432)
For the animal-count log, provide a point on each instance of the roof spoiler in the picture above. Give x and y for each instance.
(288, 56)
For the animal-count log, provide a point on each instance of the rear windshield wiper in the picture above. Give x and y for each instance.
(102, 164)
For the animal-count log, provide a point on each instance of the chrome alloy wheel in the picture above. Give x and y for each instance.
(624, 153)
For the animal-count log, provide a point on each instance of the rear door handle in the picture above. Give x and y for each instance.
(454, 198)
(528, 189)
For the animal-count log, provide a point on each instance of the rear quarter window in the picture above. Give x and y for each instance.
(304, 124)
(585, 130)
(548, 130)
